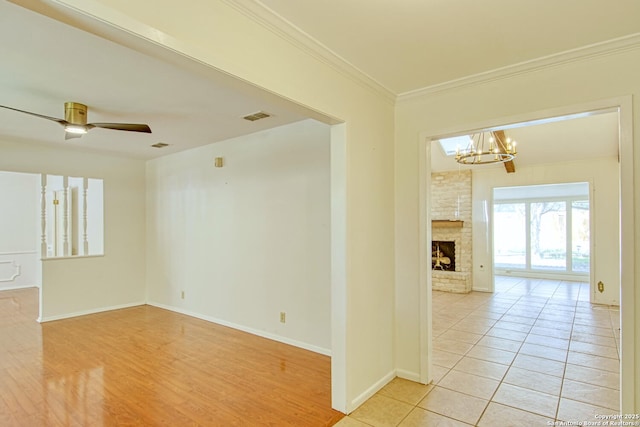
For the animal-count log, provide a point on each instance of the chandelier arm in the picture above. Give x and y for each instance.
(502, 146)
(475, 153)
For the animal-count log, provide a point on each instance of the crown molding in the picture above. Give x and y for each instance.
(258, 12)
(261, 14)
(608, 47)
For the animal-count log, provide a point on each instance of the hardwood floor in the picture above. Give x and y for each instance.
(145, 366)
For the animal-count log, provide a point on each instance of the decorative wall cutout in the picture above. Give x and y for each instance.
(9, 270)
(71, 214)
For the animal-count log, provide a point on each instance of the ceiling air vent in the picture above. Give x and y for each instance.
(160, 145)
(257, 116)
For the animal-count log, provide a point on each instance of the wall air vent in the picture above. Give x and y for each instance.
(257, 116)
(160, 145)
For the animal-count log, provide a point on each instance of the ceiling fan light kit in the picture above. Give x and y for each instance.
(75, 121)
(75, 129)
(76, 116)
(75, 113)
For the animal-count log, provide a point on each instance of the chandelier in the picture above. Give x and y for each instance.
(485, 149)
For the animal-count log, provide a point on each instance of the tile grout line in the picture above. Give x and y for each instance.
(465, 355)
(511, 364)
(471, 308)
(501, 381)
(514, 303)
(564, 370)
(506, 372)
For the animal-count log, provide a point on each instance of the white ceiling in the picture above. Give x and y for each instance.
(411, 44)
(591, 137)
(404, 45)
(41, 69)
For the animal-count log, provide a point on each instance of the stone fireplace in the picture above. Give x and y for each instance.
(451, 234)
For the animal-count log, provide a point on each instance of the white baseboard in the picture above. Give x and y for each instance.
(92, 311)
(242, 328)
(400, 373)
(408, 375)
(363, 397)
(14, 287)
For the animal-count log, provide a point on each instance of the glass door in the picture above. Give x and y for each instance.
(542, 229)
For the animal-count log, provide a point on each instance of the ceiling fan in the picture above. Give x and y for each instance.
(75, 121)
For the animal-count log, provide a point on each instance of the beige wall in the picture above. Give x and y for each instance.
(585, 82)
(249, 240)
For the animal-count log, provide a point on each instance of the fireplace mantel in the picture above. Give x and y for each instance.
(447, 223)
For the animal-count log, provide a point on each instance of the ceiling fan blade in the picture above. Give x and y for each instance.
(61, 121)
(131, 127)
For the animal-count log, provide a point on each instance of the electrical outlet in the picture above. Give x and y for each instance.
(283, 317)
(182, 294)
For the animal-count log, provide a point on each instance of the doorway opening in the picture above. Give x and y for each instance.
(483, 216)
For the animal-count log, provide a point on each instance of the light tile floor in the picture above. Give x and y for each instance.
(533, 352)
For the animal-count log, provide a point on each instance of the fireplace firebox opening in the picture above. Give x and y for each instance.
(443, 255)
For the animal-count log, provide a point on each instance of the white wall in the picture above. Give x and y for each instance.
(95, 214)
(588, 81)
(248, 240)
(19, 230)
(78, 285)
(602, 174)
